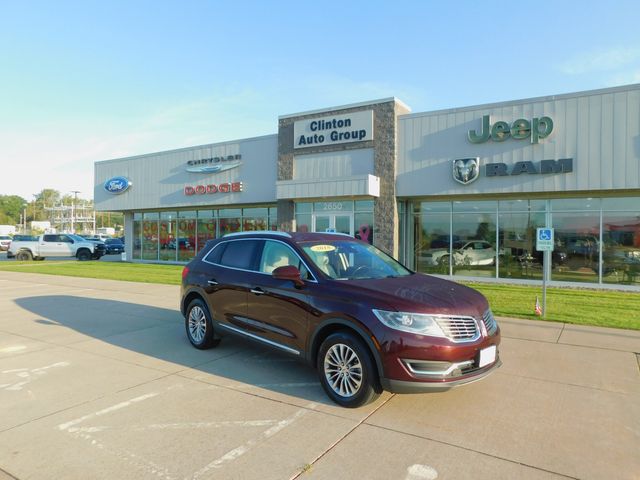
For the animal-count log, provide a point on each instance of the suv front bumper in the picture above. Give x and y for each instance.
(418, 386)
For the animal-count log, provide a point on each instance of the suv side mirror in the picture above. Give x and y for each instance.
(288, 272)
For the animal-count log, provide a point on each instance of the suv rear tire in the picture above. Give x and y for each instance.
(197, 322)
(346, 370)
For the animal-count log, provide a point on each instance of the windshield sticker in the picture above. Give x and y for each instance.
(323, 248)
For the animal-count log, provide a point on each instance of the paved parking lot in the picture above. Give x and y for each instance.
(97, 380)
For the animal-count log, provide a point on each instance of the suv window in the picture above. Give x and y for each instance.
(277, 254)
(50, 238)
(240, 254)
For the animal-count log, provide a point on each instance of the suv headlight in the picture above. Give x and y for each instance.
(410, 322)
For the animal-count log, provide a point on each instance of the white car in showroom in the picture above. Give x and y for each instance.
(471, 252)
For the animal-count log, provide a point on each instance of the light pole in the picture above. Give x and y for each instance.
(24, 219)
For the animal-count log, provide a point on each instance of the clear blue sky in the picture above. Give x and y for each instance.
(93, 80)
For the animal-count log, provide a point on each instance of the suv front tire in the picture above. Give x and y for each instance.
(346, 370)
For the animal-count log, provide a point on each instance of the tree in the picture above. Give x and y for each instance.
(48, 197)
(11, 207)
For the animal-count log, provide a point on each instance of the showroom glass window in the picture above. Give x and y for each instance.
(137, 236)
(303, 216)
(518, 220)
(432, 236)
(363, 220)
(473, 234)
(186, 244)
(168, 236)
(255, 219)
(621, 240)
(230, 220)
(150, 236)
(273, 218)
(576, 222)
(206, 228)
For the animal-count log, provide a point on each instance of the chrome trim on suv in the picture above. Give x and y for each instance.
(204, 259)
(256, 337)
(414, 366)
(459, 329)
(489, 322)
(253, 232)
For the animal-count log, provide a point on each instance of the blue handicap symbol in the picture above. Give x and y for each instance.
(545, 234)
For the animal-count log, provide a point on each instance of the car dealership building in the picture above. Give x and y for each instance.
(457, 192)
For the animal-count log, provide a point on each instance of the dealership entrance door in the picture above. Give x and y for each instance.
(333, 222)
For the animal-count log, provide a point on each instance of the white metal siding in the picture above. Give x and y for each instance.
(159, 179)
(333, 164)
(600, 131)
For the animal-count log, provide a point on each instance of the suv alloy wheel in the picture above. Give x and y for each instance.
(346, 371)
(199, 327)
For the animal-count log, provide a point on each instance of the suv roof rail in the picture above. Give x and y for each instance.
(335, 233)
(258, 232)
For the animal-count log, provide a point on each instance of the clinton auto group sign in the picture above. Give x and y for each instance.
(334, 129)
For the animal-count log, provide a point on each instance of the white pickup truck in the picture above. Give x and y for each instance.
(57, 245)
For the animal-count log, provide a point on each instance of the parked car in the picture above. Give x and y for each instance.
(57, 245)
(98, 241)
(365, 321)
(5, 241)
(472, 252)
(114, 246)
(24, 238)
(558, 258)
(181, 243)
(21, 238)
(585, 245)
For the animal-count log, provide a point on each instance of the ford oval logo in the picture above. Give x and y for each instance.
(117, 185)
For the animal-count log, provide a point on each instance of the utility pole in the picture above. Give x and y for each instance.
(73, 207)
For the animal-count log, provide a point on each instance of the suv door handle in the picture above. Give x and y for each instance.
(212, 282)
(258, 291)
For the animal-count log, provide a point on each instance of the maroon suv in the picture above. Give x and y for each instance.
(366, 322)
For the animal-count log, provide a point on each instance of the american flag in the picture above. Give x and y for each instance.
(538, 307)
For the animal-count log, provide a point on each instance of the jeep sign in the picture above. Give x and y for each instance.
(535, 129)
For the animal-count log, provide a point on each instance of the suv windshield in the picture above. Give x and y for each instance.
(347, 260)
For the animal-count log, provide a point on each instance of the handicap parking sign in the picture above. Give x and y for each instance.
(544, 239)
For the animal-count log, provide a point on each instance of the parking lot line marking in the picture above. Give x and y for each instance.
(237, 452)
(12, 349)
(119, 406)
(28, 375)
(421, 472)
(177, 426)
(228, 423)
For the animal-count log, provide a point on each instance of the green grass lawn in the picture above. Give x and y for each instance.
(579, 306)
(132, 272)
(604, 308)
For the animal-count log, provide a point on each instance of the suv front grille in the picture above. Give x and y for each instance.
(459, 329)
(489, 322)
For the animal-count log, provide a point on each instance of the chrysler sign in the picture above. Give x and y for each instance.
(214, 164)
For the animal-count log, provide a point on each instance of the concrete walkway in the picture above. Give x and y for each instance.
(97, 380)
